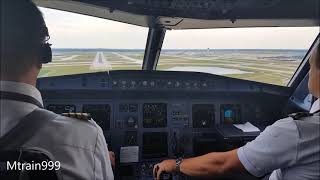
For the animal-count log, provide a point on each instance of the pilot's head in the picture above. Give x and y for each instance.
(23, 33)
(314, 73)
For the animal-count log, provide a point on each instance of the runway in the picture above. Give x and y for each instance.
(100, 62)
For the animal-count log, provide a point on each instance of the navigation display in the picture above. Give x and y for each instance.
(154, 115)
(100, 113)
(203, 115)
(230, 113)
(155, 145)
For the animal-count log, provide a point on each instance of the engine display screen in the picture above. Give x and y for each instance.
(155, 145)
(203, 115)
(100, 113)
(154, 115)
(230, 113)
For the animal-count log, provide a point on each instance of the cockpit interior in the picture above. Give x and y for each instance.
(167, 109)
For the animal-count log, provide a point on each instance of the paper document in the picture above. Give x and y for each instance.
(129, 154)
(247, 127)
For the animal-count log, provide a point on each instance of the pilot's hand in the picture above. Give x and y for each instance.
(112, 158)
(167, 166)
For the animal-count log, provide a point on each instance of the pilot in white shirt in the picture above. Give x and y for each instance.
(79, 145)
(289, 149)
(295, 143)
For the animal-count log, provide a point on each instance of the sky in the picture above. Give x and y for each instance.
(70, 30)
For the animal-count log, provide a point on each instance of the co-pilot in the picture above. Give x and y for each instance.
(289, 149)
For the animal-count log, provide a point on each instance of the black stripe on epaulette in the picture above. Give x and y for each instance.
(299, 115)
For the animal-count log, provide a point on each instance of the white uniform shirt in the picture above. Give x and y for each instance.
(288, 149)
(79, 145)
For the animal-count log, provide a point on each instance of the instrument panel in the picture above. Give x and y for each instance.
(154, 115)
(162, 120)
(162, 129)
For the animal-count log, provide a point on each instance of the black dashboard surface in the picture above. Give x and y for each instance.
(155, 115)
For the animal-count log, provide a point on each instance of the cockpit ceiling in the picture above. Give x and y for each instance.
(196, 14)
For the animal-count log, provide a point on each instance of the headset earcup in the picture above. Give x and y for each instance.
(46, 54)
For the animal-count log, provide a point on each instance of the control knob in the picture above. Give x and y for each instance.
(131, 122)
(145, 83)
(204, 123)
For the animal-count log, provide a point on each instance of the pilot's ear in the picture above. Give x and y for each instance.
(39, 65)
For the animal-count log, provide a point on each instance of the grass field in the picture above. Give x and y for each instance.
(268, 66)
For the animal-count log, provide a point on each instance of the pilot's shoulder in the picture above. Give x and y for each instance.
(300, 115)
(285, 123)
(70, 133)
(77, 123)
(292, 119)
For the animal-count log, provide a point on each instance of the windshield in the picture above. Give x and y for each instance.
(84, 44)
(268, 55)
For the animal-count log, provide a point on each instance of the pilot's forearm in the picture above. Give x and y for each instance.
(209, 165)
(212, 164)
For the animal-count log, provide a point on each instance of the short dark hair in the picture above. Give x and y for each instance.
(22, 35)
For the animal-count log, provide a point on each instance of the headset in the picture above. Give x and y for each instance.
(45, 55)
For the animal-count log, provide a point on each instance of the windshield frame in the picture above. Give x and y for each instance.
(303, 67)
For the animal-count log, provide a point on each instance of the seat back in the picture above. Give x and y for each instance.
(28, 164)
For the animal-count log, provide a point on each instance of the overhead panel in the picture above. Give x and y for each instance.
(95, 11)
(197, 14)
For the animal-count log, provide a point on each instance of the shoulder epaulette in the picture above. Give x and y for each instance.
(80, 116)
(299, 115)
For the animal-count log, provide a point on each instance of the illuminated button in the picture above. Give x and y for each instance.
(152, 83)
(177, 84)
(204, 123)
(195, 84)
(145, 83)
(131, 122)
(204, 85)
(115, 82)
(150, 166)
(123, 82)
(169, 83)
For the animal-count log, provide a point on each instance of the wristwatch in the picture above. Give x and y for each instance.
(178, 162)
